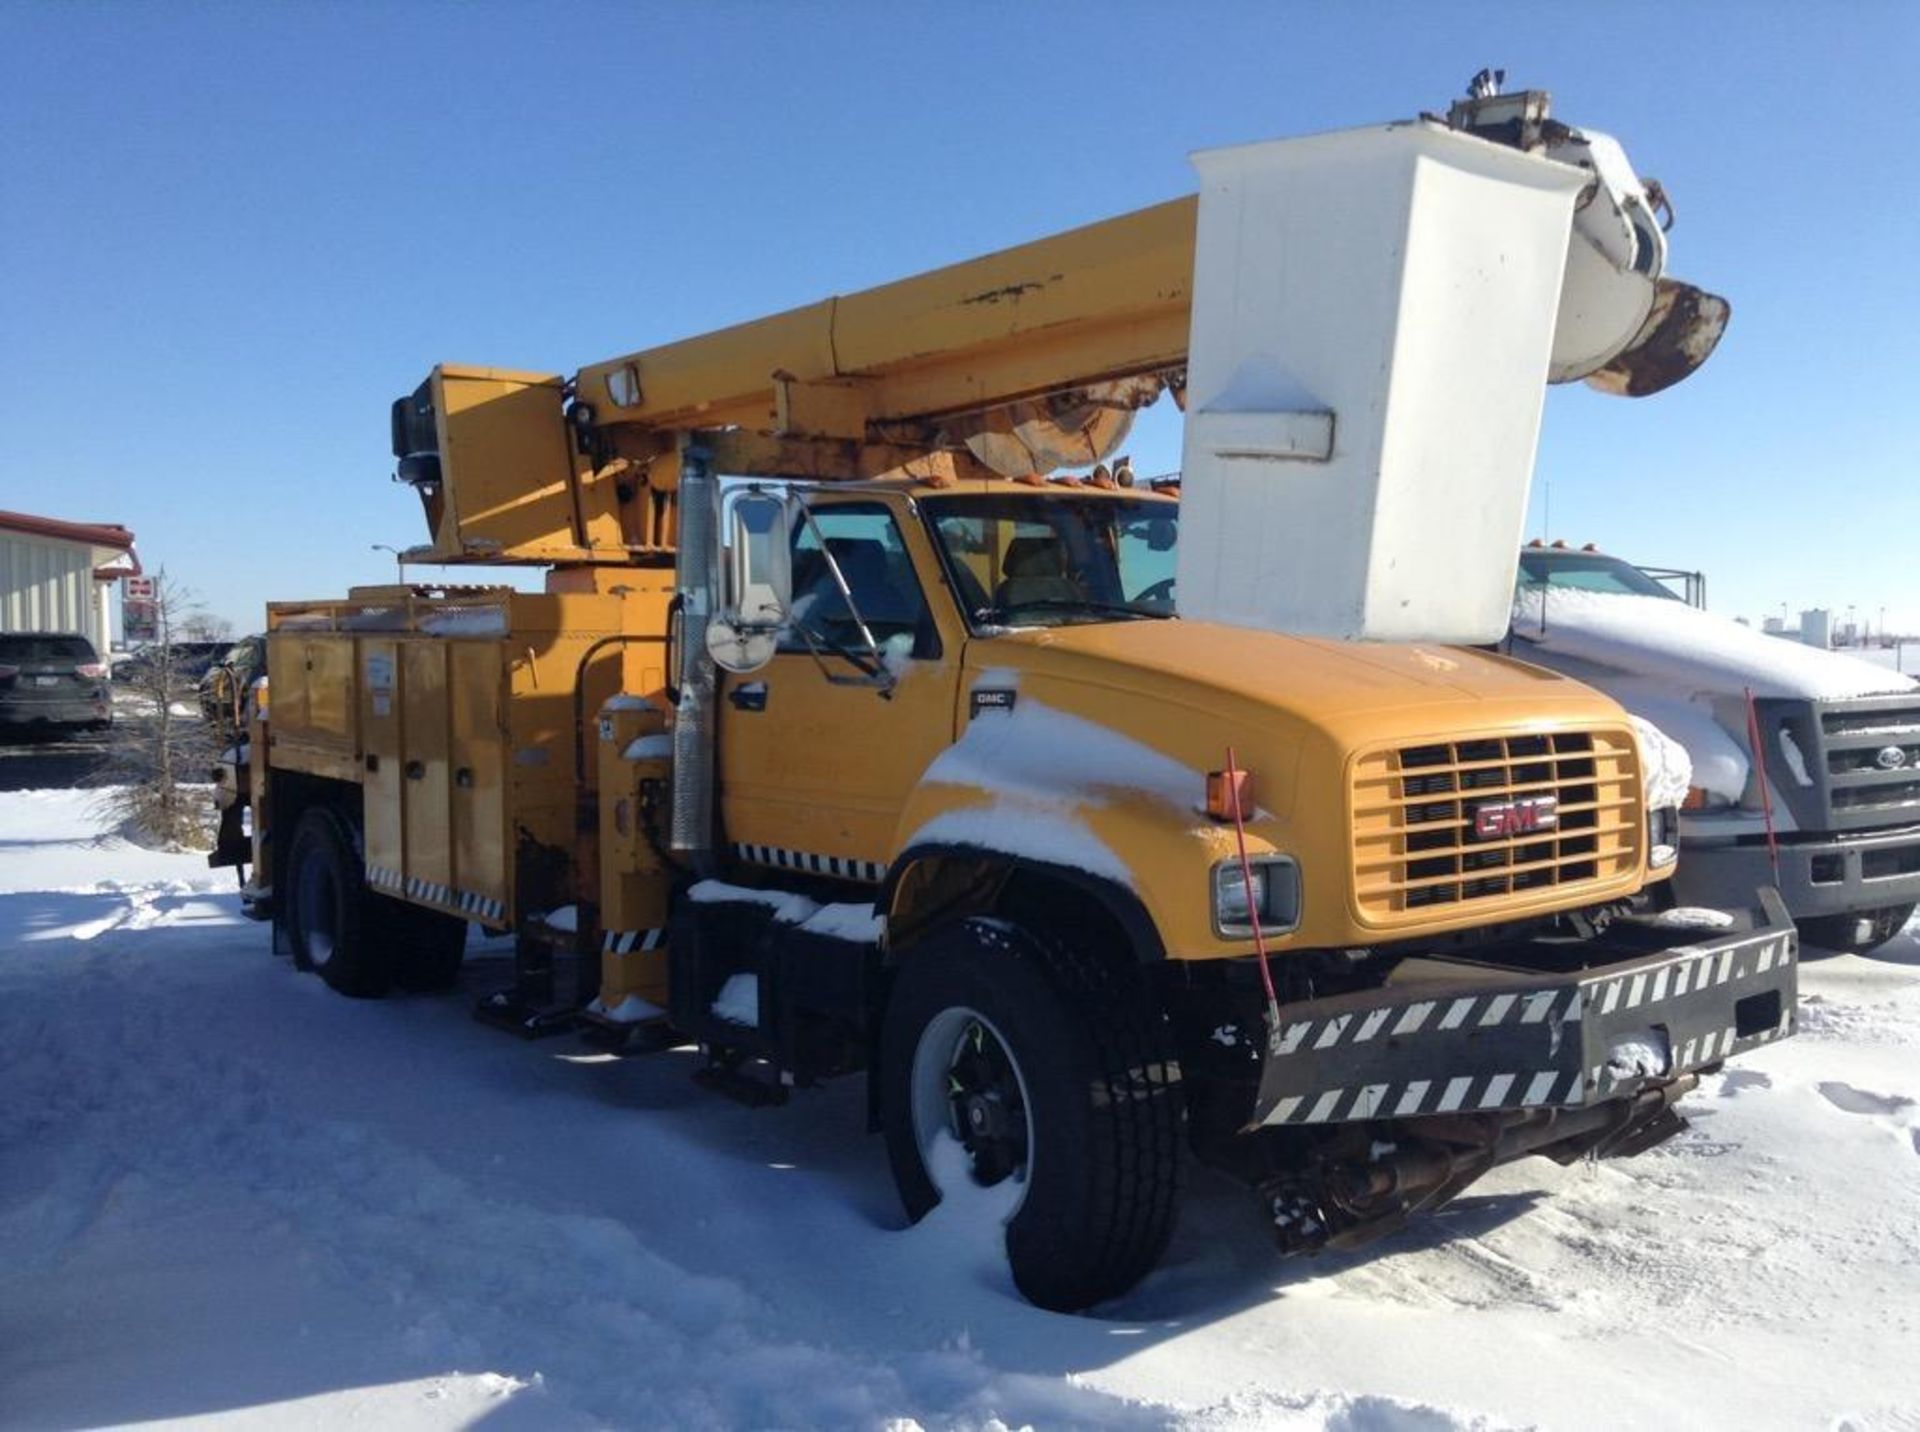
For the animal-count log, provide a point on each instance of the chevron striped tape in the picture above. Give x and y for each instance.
(1689, 972)
(625, 942)
(836, 866)
(392, 882)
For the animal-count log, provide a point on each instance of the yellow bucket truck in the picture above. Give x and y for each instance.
(874, 719)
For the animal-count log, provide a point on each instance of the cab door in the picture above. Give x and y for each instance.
(814, 773)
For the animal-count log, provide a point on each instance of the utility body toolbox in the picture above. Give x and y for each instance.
(456, 711)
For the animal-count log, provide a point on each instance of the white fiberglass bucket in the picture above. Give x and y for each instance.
(1373, 318)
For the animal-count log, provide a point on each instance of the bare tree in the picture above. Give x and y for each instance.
(199, 625)
(162, 749)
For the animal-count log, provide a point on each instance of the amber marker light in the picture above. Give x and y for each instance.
(1229, 792)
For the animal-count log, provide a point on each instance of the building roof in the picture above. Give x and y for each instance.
(94, 534)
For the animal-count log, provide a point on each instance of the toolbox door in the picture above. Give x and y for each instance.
(380, 779)
(426, 778)
(478, 798)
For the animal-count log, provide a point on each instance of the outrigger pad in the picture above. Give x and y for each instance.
(506, 1010)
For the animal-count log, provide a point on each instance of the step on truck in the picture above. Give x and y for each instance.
(855, 731)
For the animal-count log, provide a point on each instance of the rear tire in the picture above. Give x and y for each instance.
(1841, 935)
(328, 924)
(1049, 1065)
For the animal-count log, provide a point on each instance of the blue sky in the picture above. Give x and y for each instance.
(232, 234)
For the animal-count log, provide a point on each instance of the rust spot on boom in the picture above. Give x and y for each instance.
(1012, 290)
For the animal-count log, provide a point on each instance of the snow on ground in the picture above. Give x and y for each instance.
(227, 1194)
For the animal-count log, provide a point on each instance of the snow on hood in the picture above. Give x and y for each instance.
(1040, 768)
(1687, 649)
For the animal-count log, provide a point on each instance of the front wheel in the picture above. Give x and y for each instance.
(1017, 1061)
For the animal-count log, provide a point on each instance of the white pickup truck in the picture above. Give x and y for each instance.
(1837, 770)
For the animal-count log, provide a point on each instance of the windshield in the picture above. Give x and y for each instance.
(1057, 560)
(1588, 572)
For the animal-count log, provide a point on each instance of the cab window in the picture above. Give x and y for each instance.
(1588, 572)
(1054, 560)
(872, 558)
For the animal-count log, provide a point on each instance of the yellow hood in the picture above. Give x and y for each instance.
(1312, 678)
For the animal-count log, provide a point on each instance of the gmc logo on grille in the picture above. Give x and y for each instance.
(1523, 816)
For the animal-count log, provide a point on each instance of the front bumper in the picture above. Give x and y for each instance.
(68, 711)
(1450, 1036)
(1836, 876)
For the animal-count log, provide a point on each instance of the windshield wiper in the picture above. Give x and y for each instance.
(1074, 604)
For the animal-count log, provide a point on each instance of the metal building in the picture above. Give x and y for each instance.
(59, 576)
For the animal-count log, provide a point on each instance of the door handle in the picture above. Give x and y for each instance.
(416, 770)
(752, 697)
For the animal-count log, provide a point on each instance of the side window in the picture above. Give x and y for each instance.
(865, 544)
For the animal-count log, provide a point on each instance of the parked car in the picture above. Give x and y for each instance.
(240, 666)
(52, 679)
(191, 660)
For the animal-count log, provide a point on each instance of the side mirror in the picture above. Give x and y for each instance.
(755, 579)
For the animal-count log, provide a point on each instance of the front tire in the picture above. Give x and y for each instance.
(328, 924)
(1049, 1066)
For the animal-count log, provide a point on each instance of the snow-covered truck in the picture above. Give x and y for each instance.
(1826, 809)
(847, 736)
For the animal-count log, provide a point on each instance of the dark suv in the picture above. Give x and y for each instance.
(52, 679)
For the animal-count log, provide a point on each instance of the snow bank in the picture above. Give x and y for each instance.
(1688, 650)
(65, 840)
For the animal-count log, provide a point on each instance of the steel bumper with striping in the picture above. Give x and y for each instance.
(1452, 1036)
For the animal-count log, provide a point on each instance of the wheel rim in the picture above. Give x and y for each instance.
(969, 1087)
(314, 907)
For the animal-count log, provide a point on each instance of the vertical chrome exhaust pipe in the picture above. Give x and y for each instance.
(691, 832)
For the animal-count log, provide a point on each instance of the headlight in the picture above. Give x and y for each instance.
(1275, 894)
(1663, 837)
